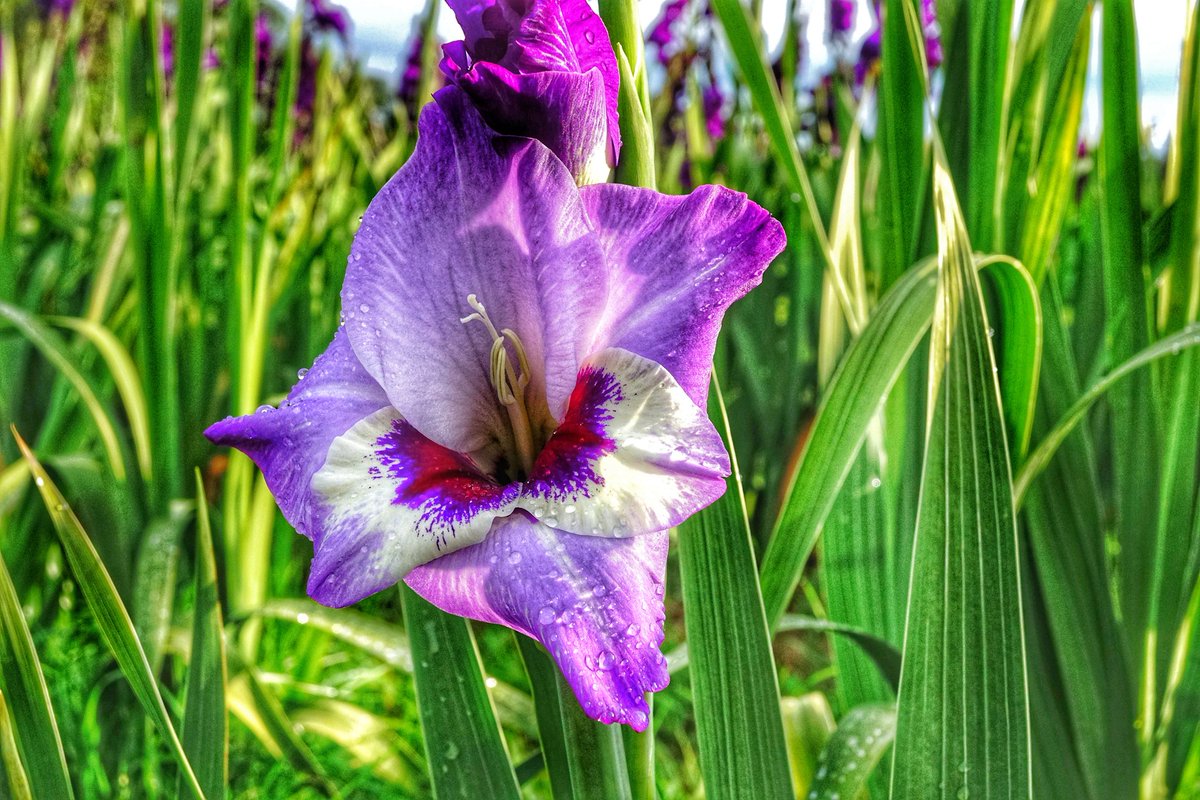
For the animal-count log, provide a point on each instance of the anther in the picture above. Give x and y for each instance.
(508, 383)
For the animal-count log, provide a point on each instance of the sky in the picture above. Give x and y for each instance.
(382, 29)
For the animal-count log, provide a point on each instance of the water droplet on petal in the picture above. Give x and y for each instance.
(514, 557)
(300, 373)
(264, 409)
(591, 37)
(547, 615)
(364, 308)
(607, 660)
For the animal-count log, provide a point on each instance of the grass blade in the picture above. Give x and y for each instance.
(739, 726)
(870, 368)
(463, 742)
(850, 756)
(963, 713)
(542, 679)
(24, 686)
(205, 731)
(111, 617)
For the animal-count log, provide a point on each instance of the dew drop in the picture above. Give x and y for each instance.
(264, 409)
(300, 373)
(547, 615)
(607, 660)
(364, 308)
(632, 630)
(591, 37)
(514, 557)
(451, 751)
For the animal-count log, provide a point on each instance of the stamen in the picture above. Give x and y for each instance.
(508, 383)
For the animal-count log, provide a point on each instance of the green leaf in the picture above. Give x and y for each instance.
(463, 743)
(900, 134)
(385, 641)
(963, 711)
(1134, 430)
(595, 751)
(24, 686)
(1040, 456)
(869, 369)
(10, 759)
(205, 731)
(1018, 348)
(850, 756)
(636, 165)
(544, 682)
(738, 722)
(111, 617)
(50, 346)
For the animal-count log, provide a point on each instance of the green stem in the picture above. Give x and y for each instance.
(595, 752)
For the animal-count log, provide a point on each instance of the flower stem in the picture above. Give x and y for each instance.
(595, 751)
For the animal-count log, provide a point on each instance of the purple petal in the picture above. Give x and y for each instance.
(595, 604)
(676, 264)
(633, 454)
(289, 444)
(558, 40)
(471, 212)
(562, 110)
(390, 500)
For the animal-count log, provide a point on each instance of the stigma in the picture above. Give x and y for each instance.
(508, 380)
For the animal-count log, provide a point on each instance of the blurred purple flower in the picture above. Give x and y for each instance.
(211, 60)
(410, 79)
(167, 48)
(714, 111)
(525, 475)
(543, 69)
(262, 48)
(868, 54)
(841, 17)
(59, 7)
(933, 33)
(329, 17)
(663, 33)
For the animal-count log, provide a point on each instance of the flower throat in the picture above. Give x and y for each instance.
(509, 382)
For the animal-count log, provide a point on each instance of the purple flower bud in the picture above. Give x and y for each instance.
(167, 48)
(841, 17)
(326, 16)
(663, 34)
(714, 106)
(410, 79)
(543, 69)
(933, 33)
(211, 60)
(59, 7)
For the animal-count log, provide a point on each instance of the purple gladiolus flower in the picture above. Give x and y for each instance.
(511, 415)
(59, 7)
(841, 16)
(714, 111)
(663, 33)
(933, 33)
(326, 16)
(543, 69)
(410, 79)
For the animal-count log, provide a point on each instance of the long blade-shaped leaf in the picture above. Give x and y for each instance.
(463, 742)
(861, 739)
(963, 713)
(743, 753)
(111, 617)
(34, 725)
(205, 724)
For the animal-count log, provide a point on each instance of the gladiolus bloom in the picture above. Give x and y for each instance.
(511, 416)
(543, 69)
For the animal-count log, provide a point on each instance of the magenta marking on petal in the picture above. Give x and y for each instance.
(445, 486)
(566, 465)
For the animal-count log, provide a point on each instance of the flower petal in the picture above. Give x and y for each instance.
(512, 39)
(471, 212)
(563, 110)
(289, 444)
(392, 500)
(676, 264)
(595, 604)
(633, 454)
